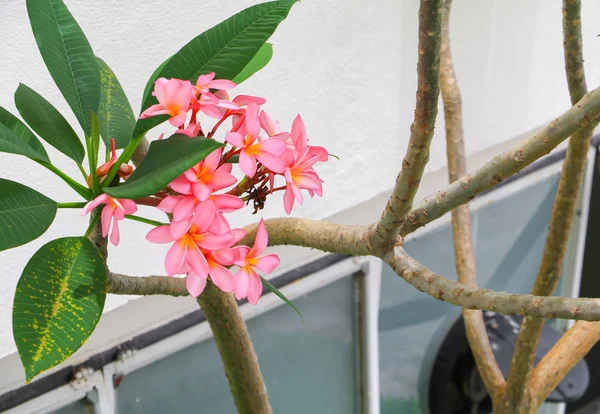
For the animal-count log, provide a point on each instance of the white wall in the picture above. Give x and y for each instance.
(347, 66)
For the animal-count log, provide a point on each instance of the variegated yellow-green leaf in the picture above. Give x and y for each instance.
(58, 302)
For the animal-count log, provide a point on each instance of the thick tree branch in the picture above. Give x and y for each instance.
(461, 217)
(421, 130)
(583, 113)
(237, 353)
(321, 235)
(550, 307)
(564, 355)
(119, 284)
(560, 222)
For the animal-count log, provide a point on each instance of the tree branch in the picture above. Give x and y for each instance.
(119, 284)
(550, 307)
(560, 222)
(461, 217)
(585, 112)
(237, 353)
(564, 355)
(321, 235)
(421, 130)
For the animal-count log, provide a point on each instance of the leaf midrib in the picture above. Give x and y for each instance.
(25, 208)
(69, 63)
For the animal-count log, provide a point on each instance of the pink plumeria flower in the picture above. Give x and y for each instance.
(187, 254)
(185, 208)
(299, 175)
(205, 177)
(248, 282)
(272, 128)
(115, 210)
(207, 82)
(174, 99)
(300, 140)
(192, 130)
(266, 151)
(218, 273)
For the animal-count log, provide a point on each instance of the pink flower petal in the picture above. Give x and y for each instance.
(243, 100)
(175, 257)
(101, 199)
(255, 289)
(205, 215)
(221, 277)
(169, 203)
(242, 278)
(185, 208)
(267, 263)
(241, 254)
(235, 139)
(201, 191)
(196, 260)
(221, 84)
(210, 241)
(129, 206)
(252, 122)
(160, 235)
(261, 241)
(270, 161)
(299, 133)
(274, 146)
(182, 185)
(219, 225)
(106, 217)
(247, 164)
(195, 284)
(227, 203)
(179, 228)
(115, 235)
(211, 111)
(222, 179)
(179, 119)
(288, 200)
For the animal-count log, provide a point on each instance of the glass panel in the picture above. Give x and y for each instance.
(509, 235)
(308, 367)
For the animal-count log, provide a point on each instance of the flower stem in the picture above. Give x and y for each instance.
(83, 173)
(145, 220)
(71, 205)
(123, 159)
(80, 189)
(93, 221)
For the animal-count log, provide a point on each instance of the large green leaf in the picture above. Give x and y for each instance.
(25, 214)
(258, 62)
(14, 144)
(166, 160)
(48, 122)
(58, 302)
(115, 114)
(225, 49)
(68, 56)
(22, 131)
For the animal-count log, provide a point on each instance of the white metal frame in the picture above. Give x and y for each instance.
(76, 390)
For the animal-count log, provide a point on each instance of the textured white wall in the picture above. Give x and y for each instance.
(347, 66)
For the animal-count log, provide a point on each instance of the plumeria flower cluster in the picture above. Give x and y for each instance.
(203, 243)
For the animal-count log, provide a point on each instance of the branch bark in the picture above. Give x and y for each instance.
(236, 350)
(518, 395)
(564, 355)
(421, 130)
(585, 112)
(549, 307)
(461, 217)
(119, 284)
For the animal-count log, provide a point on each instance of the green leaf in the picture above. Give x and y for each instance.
(166, 160)
(116, 116)
(22, 131)
(258, 62)
(68, 56)
(50, 125)
(281, 296)
(234, 159)
(225, 49)
(25, 214)
(58, 302)
(13, 144)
